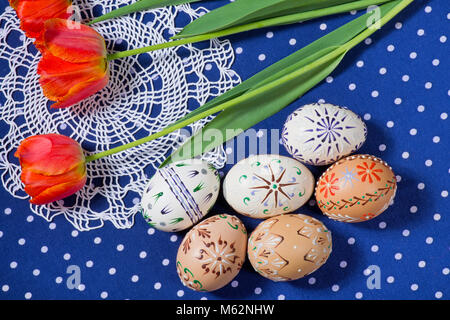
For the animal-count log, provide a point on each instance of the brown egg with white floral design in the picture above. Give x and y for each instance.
(355, 189)
(212, 253)
(288, 247)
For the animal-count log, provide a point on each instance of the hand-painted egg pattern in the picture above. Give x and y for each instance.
(289, 247)
(262, 186)
(356, 188)
(180, 194)
(320, 134)
(212, 253)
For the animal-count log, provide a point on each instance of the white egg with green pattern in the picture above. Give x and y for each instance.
(180, 194)
(264, 186)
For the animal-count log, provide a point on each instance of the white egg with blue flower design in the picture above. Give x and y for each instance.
(180, 194)
(264, 186)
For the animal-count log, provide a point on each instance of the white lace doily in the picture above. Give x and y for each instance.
(145, 94)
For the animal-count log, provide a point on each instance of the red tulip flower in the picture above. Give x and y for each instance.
(33, 13)
(53, 167)
(74, 64)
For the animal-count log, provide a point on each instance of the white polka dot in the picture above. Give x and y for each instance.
(429, 240)
(28, 295)
(398, 256)
(134, 278)
(234, 283)
(269, 35)
(353, 12)
(375, 93)
(208, 67)
(262, 57)
(97, 240)
(351, 240)
(398, 25)
(30, 218)
(312, 280)
(444, 194)
(367, 272)
(360, 63)
(352, 86)
(413, 209)
(406, 233)
(335, 288)
(398, 178)
(397, 101)
(165, 262)
(382, 70)
(142, 254)
(21, 241)
(358, 295)
(413, 131)
(239, 50)
(58, 280)
(443, 39)
(7, 211)
(390, 279)
(89, 263)
(157, 285)
(405, 78)
(405, 155)
(36, 272)
(382, 225)
(427, 9)
(292, 41)
(66, 256)
(413, 55)
(390, 124)
(343, 264)
(444, 115)
(104, 295)
(281, 297)
(1, 233)
(13, 265)
(421, 186)
(422, 264)
(74, 233)
(120, 247)
(81, 287)
(436, 139)
(112, 271)
(374, 248)
(438, 295)
(414, 287)
(421, 108)
(329, 79)
(382, 147)
(52, 226)
(428, 163)
(445, 271)
(368, 41)
(437, 217)
(428, 85)
(435, 62)
(390, 48)
(420, 32)
(258, 290)
(323, 26)
(5, 288)
(180, 293)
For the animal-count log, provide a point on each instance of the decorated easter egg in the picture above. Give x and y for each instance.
(212, 253)
(320, 134)
(263, 186)
(289, 247)
(356, 188)
(180, 194)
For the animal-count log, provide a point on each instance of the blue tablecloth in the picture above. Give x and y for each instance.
(397, 81)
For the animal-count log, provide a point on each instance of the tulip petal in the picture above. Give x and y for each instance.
(59, 192)
(72, 41)
(50, 154)
(33, 14)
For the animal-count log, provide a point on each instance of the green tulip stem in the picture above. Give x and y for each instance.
(283, 20)
(252, 93)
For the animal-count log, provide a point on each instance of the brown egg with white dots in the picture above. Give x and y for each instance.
(355, 189)
(288, 247)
